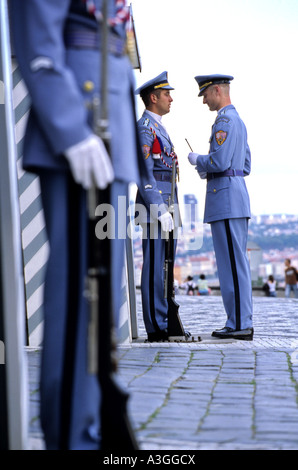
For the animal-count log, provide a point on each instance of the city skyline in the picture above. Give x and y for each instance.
(272, 239)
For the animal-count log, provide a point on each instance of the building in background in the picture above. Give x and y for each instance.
(191, 212)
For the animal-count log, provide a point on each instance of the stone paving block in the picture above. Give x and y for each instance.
(230, 409)
(226, 422)
(221, 436)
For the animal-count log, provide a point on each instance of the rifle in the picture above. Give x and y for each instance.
(175, 329)
(116, 431)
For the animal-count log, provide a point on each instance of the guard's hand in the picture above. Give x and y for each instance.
(90, 163)
(192, 157)
(167, 223)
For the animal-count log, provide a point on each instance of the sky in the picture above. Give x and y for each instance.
(256, 42)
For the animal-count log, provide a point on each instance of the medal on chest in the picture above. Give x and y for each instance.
(157, 153)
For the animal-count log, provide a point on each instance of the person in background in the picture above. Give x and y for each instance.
(291, 277)
(227, 206)
(270, 286)
(203, 285)
(189, 285)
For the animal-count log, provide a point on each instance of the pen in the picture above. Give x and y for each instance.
(189, 145)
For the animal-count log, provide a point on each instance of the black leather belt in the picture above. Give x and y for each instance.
(162, 176)
(86, 39)
(231, 172)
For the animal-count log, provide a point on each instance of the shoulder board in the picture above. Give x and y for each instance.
(223, 119)
(145, 131)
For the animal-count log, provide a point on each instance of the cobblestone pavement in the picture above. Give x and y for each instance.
(212, 394)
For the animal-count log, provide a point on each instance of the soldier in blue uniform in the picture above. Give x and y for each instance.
(58, 47)
(227, 206)
(151, 202)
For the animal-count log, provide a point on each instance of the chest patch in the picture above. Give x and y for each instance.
(220, 137)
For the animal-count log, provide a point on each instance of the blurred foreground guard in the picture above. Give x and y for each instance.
(227, 206)
(58, 44)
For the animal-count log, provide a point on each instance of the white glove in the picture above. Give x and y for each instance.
(192, 157)
(90, 163)
(166, 221)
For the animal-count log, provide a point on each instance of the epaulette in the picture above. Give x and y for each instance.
(146, 122)
(145, 131)
(222, 118)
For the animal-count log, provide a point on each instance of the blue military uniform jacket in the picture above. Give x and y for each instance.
(155, 188)
(53, 127)
(226, 196)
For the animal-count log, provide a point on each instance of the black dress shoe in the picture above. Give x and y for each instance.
(161, 335)
(246, 335)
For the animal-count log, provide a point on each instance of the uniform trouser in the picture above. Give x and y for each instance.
(230, 241)
(155, 306)
(289, 288)
(70, 396)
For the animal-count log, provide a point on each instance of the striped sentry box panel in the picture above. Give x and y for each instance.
(34, 239)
